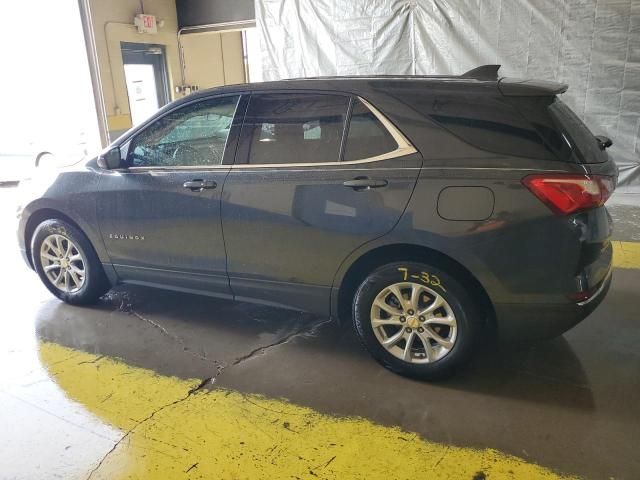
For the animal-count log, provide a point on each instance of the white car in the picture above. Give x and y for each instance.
(19, 159)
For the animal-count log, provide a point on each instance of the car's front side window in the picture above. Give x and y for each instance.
(189, 136)
(294, 128)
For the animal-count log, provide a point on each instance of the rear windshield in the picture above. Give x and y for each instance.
(580, 135)
(560, 128)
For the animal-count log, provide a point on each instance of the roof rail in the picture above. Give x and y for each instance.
(485, 72)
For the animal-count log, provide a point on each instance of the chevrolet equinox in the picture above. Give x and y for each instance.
(429, 210)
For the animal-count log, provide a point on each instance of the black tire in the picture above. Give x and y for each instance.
(95, 282)
(467, 319)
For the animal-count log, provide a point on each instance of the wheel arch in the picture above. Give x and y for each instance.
(381, 255)
(39, 216)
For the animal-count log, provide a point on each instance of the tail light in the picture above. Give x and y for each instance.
(569, 193)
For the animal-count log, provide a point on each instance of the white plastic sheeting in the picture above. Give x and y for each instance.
(592, 45)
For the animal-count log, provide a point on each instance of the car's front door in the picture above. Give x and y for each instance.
(299, 200)
(160, 216)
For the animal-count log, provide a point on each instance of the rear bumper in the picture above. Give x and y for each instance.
(536, 321)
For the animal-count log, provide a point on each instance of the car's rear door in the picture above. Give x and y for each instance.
(160, 216)
(308, 188)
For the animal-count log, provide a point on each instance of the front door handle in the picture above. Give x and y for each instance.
(365, 183)
(198, 185)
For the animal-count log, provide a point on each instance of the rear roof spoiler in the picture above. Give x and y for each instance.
(513, 87)
(516, 87)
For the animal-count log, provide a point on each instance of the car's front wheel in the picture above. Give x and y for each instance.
(67, 264)
(416, 319)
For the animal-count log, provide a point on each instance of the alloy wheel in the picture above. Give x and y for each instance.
(413, 322)
(63, 263)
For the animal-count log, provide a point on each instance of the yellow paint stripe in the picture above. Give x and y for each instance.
(227, 435)
(626, 254)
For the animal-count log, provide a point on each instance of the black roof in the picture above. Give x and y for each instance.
(480, 79)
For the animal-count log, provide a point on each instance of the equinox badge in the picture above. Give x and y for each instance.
(125, 236)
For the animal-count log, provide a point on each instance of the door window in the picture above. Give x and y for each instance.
(367, 136)
(190, 136)
(294, 128)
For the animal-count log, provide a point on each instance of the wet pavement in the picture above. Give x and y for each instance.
(571, 405)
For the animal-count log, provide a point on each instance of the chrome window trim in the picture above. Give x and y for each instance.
(404, 147)
(441, 167)
(198, 168)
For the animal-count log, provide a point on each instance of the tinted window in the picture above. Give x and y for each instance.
(367, 136)
(537, 111)
(578, 132)
(190, 136)
(485, 122)
(294, 128)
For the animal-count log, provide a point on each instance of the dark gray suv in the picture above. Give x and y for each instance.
(430, 210)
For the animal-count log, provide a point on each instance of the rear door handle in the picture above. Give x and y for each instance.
(198, 185)
(365, 183)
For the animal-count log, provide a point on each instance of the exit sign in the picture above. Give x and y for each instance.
(146, 23)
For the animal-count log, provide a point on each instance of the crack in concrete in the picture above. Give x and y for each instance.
(262, 350)
(203, 383)
(303, 332)
(174, 337)
(107, 397)
(144, 420)
(326, 464)
(191, 467)
(444, 454)
(248, 400)
(95, 360)
(126, 307)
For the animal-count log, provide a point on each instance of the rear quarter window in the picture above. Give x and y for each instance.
(367, 137)
(486, 122)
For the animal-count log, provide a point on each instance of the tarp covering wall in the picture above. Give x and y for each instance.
(592, 45)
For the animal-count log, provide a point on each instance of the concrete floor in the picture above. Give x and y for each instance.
(571, 405)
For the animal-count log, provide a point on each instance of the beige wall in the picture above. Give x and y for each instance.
(113, 23)
(211, 59)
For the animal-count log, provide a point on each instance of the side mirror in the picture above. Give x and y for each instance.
(110, 159)
(603, 142)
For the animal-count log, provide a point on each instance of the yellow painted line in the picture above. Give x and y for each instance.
(169, 433)
(626, 254)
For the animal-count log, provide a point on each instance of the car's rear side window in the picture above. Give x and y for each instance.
(367, 137)
(294, 128)
(485, 122)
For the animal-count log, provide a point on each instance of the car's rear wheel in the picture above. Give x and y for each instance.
(416, 319)
(66, 263)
